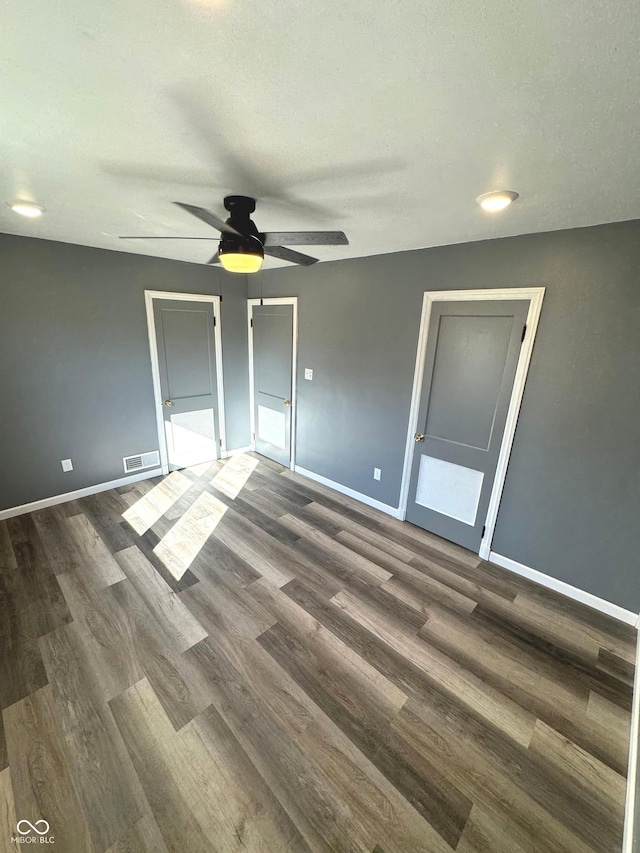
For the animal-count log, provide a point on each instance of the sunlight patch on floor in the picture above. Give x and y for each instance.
(144, 513)
(182, 544)
(233, 477)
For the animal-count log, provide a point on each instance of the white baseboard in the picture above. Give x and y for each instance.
(632, 770)
(79, 493)
(344, 490)
(587, 598)
(227, 454)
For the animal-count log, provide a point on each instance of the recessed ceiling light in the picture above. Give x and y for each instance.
(493, 202)
(26, 208)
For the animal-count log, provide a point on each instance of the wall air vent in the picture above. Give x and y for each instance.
(141, 461)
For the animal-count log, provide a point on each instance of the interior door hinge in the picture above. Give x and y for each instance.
(215, 322)
(252, 322)
(484, 530)
(524, 332)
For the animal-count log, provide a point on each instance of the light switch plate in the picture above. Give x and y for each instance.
(67, 465)
(308, 373)
(377, 473)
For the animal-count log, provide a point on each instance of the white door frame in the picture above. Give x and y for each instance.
(149, 297)
(276, 300)
(535, 295)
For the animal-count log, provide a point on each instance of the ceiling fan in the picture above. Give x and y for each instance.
(242, 247)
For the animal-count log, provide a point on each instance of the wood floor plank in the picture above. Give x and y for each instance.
(314, 773)
(146, 543)
(216, 560)
(98, 563)
(7, 812)
(143, 837)
(502, 712)
(485, 832)
(270, 503)
(255, 547)
(104, 512)
(108, 788)
(608, 714)
(44, 785)
(246, 507)
(161, 765)
(178, 686)
(484, 776)
(610, 746)
(59, 549)
(4, 759)
(553, 619)
(105, 635)
(358, 713)
(180, 627)
(589, 779)
(46, 603)
(418, 581)
(221, 610)
(499, 666)
(364, 567)
(344, 523)
(259, 820)
(21, 667)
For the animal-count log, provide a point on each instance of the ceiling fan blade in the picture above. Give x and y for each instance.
(149, 237)
(305, 238)
(289, 255)
(208, 217)
(215, 259)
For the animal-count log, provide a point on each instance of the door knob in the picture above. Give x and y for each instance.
(168, 403)
(418, 437)
(286, 403)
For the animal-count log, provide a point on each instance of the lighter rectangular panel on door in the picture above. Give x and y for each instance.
(449, 489)
(467, 376)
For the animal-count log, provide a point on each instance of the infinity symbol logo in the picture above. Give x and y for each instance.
(32, 827)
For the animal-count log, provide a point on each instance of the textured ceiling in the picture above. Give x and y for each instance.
(383, 119)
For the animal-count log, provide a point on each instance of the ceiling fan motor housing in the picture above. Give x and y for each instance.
(249, 241)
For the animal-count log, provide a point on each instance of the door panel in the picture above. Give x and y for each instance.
(185, 335)
(470, 365)
(273, 380)
(467, 375)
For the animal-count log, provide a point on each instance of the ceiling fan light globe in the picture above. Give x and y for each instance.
(240, 254)
(241, 262)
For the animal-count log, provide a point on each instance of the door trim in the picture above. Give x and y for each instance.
(535, 295)
(149, 296)
(276, 300)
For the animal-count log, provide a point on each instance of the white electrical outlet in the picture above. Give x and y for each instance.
(67, 465)
(308, 373)
(377, 473)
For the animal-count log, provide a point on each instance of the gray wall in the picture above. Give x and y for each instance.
(75, 366)
(571, 505)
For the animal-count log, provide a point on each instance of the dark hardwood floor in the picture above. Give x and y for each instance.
(233, 658)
